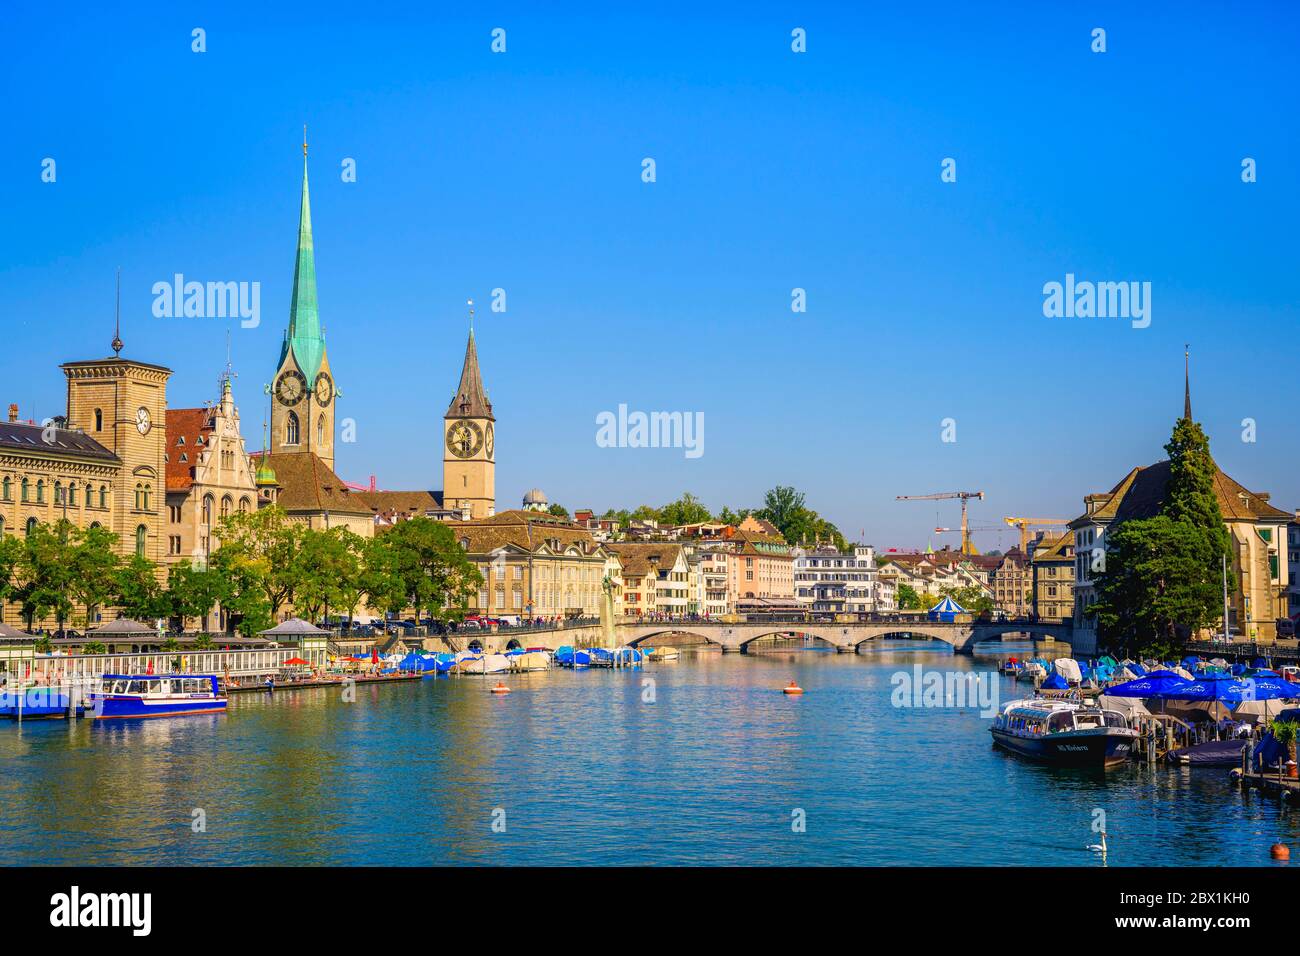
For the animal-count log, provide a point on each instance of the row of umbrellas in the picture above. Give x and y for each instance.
(1167, 685)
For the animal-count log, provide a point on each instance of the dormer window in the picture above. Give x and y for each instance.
(184, 457)
(181, 440)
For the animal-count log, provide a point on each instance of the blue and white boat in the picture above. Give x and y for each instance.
(161, 695)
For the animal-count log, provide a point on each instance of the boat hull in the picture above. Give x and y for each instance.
(134, 708)
(1082, 748)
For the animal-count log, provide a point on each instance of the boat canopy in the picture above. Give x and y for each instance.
(1056, 682)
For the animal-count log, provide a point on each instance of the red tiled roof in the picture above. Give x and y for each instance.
(189, 424)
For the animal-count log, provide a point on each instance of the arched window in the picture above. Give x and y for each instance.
(99, 420)
(58, 492)
(31, 525)
(148, 492)
(9, 488)
(244, 505)
(90, 496)
(320, 430)
(2, 526)
(207, 509)
(72, 494)
(139, 496)
(103, 496)
(291, 429)
(40, 491)
(140, 533)
(25, 492)
(226, 503)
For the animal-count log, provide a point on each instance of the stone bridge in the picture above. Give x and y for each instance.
(736, 637)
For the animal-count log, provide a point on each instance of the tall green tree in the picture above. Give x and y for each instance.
(1163, 575)
(435, 574)
(95, 563)
(46, 574)
(262, 546)
(687, 509)
(329, 574)
(193, 590)
(558, 510)
(138, 592)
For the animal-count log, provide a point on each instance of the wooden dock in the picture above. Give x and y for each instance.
(1273, 784)
(262, 688)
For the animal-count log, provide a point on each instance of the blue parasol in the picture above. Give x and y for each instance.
(1156, 684)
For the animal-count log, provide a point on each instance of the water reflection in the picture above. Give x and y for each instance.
(587, 771)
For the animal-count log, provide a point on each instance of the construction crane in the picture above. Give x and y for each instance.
(967, 547)
(976, 529)
(1024, 524)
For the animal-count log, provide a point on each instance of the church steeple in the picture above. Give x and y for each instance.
(304, 337)
(470, 401)
(1187, 382)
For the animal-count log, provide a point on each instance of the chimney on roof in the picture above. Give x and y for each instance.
(13, 412)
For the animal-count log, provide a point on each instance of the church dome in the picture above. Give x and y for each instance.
(535, 500)
(265, 474)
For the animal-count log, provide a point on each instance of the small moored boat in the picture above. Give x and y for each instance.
(156, 695)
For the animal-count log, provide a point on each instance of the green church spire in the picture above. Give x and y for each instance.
(304, 336)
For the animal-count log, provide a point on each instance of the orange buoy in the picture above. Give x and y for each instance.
(500, 688)
(1280, 851)
(792, 688)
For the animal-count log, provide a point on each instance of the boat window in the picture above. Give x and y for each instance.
(1114, 719)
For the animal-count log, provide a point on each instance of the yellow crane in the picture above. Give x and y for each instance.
(967, 547)
(1024, 525)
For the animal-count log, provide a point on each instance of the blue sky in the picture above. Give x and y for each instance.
(775, 170)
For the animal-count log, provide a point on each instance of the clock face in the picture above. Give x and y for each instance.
(142, 420)
(464, 439)
(490, 442)
(324, 389)
(290, 388)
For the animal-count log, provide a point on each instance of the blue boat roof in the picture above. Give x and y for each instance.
(155, 676)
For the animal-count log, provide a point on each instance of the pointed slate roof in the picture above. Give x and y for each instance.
(470, 401)
(304, 337)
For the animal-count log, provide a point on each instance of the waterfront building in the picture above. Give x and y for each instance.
(103, 463)
(209, 476)
(715, 576)
(932, 572)
(656, 578)
(534, 565)
(1258, 532)
(1013, 585)
(830, 581)
(1052, 565)
(1293, 566)
(762, 566)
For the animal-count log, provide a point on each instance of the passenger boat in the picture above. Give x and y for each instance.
(1064, 732)
(156, 695)
(664, 654)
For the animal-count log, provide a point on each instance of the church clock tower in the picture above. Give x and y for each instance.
(302, 392)
(469, 444)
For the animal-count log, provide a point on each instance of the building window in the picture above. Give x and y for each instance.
(90, 496)
(244, 505)
(72, 495)
(99, 420)
(25, 490)
(291, 429)
(103, 496)
(207, 509)
(31, 526)
(8, 488)
(174, 514)
(226, 502)
(174, 544)
(140, 533)
(139, 496)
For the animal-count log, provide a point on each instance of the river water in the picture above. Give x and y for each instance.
(584, 768)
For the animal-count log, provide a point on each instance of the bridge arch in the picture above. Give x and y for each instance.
(916, 630)
(990, 632)
(638, 640)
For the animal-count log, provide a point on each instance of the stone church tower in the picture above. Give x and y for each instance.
(469, 444)
(302, 392)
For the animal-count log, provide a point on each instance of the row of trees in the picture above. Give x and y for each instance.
(266, 562)
(783, 506)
